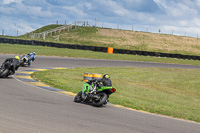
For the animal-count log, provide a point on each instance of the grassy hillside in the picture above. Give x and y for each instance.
(124, 39)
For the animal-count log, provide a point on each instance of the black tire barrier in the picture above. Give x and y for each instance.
(139, 52)
(92, 48)
(162, 54)
(179, 56)
(104, 49)
(115, 51)
(133, 52)
(1, 40)
(145, 53)
(184, 57)
(98, 49)
(189, 57)
(127, 51)
(193, 57)
(119, 51)
(198, 57)
(79, 47)
(151, 53)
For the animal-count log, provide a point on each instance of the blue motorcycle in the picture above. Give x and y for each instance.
(27, 59)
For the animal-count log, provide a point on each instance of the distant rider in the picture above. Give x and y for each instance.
(31, 57)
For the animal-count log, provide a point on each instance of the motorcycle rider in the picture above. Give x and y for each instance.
(15, 62)
(105, 80)
(31, 57)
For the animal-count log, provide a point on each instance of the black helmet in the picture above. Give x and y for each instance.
(107, 76)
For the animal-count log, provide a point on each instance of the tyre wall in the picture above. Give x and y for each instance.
(98, 49)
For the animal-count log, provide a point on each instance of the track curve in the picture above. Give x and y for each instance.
(28, 109)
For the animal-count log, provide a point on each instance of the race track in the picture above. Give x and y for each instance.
(29, 109)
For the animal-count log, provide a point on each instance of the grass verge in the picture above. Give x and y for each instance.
(49, 51)
(166, 91)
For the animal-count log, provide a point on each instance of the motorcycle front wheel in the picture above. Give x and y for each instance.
(78, 97)
(24, 64)
(101, 100)
(4, 73)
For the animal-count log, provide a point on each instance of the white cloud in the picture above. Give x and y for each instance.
(196, 22)
(88, 5)
(177, 9)
(11, 1)
(114, 7)
(197, 3)
(75, 11)
(22, 26)
(20, 9)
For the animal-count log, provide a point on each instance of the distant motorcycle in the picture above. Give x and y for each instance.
(5, 70)
(25, 60)
(94, 94)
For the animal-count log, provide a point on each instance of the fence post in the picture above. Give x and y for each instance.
(95, 22)
(44, 35)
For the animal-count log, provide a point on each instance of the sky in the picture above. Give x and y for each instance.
(177, 17)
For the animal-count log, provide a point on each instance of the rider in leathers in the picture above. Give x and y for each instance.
(15, 62)
(105, 80)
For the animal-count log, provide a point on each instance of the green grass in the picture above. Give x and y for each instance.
(123, 39)
(49, 51)
(46, 28)
(171, 92)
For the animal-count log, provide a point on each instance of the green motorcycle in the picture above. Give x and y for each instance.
(96, 94)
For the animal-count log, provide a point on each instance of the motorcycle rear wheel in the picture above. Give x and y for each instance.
(103, 97)
(78, 97)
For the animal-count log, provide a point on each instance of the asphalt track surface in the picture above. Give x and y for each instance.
(29, 109)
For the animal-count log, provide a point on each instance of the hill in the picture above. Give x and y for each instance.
(123, 39)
